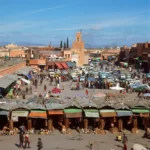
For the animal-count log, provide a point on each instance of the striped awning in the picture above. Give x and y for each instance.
(4, 113)
(73, 113)
(91, 113)
(123, 113)
(21, 113)
(55, 112)
(38, 114)
(59, 65)
(108, 113)
(71, 64)
(64, 65)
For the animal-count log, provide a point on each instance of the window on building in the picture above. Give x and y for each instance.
(68, 55)
(77, 39)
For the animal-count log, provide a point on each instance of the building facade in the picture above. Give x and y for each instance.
(78, 50)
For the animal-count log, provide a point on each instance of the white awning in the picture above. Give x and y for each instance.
(26, 81)
(21, 113)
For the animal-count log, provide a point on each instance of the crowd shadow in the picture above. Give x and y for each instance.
(119, 146)
(17, 145)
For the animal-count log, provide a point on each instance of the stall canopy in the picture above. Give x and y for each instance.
(55, 112)
(91, 113)
(124, 113)
(108, 113)
(64, 65)
(12, 76)
(16, 114)
(71, 64)
(59, 65)
(73, 113)
(26, 81)
(20, 113)
(91, 79)
(4, 113)
(38, 114)
(138, 111)
(5, 82)
(55, 108)
(25, 70)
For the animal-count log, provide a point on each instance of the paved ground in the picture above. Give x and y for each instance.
(58, 141)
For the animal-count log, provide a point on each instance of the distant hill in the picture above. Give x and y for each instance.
(23, 43)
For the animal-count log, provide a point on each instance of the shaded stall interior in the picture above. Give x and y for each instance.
(4, 116)
(73, 117)
(108, 118)
(91, 118)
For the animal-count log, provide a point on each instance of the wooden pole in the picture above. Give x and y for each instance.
(11, 124)
(29, 124)
(101, 124)
(50, 124)
(67, 123)
(85, 123)
(120, 124)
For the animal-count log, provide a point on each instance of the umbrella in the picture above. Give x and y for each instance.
(138, 147)
(91, 79)
(56, 90)
(117, 87)
(147, 94)
(99, 95)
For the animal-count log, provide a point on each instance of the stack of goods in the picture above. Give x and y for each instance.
(15, 131)
(135, 130)
(31, 131)
(44, 131)
(63, 130)
(85, 131)
(73, 88)
(114, 130)
(69, 131)
(99, 131)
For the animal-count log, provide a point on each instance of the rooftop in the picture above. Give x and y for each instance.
(4, 63)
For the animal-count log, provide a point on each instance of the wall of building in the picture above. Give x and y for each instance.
(17, 53)
(75, 58)
(86, 58)
(4, 53)
(12, 69)
(78, 48)
(67, 54)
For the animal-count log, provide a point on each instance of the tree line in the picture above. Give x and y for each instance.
(64, 45)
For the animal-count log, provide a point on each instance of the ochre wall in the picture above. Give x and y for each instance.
(12, 69)
(16, 53)
(78, 48)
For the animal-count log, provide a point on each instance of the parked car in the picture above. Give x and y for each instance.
(141, 88)
(75, 79)
(51, 72)
(128, 75)
(148, 75)
(82, 78)
(116, 73)
(122, 77)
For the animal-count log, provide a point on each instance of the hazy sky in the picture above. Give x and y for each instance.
(103, 22)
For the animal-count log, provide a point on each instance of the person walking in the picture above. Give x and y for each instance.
(21, 133)
(45, 88)
(39, 144)
(30, 89)
(125, 139)
(27, 141)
